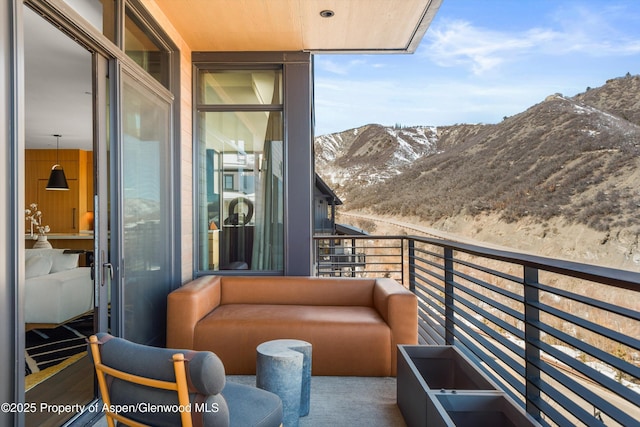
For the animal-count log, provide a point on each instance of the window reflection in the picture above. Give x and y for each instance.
(141, 46)
(244, 171)
(99, 13)
(241, 87)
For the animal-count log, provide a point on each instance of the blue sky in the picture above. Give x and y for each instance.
(481, 61)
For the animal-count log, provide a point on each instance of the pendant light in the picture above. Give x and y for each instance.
(57, 180)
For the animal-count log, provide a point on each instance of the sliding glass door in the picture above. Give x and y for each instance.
(66, 296)
(145, 214)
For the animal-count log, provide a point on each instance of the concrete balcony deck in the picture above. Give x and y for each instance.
(344, 401)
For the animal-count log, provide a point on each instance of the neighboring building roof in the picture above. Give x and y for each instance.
(298, 25)
(349, 230)
(331, 197)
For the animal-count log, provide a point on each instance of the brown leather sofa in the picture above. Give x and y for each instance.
(354, 325)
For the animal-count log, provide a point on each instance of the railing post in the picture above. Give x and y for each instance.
(532, 335)
(449, 321)
(412, 265)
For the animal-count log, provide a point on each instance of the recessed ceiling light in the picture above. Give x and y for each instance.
(327, 13)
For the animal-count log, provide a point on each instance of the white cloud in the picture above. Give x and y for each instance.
(461, 44)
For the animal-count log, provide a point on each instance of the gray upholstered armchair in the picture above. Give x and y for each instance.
(142, 385)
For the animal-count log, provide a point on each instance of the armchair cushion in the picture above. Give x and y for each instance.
(208, 390)
(251, 406)
(205, 378)
(205, 371)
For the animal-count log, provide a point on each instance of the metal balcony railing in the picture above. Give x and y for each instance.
(560, 337)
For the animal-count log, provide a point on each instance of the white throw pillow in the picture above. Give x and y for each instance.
(37, 266)
(63, 262)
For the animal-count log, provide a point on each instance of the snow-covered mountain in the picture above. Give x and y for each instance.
(371, 154)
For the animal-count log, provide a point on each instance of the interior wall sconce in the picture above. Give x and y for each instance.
(57, 180)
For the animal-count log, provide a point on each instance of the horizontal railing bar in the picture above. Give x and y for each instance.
(358, 247)
(589, 372)
(504, 375)
(425, 283)
(622, 311)
(570, 406)
(491, 317)
(552, 413)
(439, 309)
(431, 332)
(436, 323)
(429, 272)
(484, 284)
(434, 328)
(605, 275)
(437, 298)
(427, 262)
(430, 283)
(359, 237)
(581, 391)
(608, 276)
(590, 326)
(492, 349)
(590, 350)
(493, 272)
(430, 253)
(360, 255)
(344, 263)
(489, 301)
(513, 347)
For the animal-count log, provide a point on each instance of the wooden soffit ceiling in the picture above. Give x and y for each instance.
(294, 25)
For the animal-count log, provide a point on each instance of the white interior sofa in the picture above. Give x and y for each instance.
(56, 289)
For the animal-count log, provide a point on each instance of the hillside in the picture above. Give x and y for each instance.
(565, 162)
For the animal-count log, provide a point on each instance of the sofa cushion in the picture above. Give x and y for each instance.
(36, 266)
(313, 291)
(62, 261)
(339, 335)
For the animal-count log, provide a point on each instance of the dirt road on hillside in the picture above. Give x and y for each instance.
(427, 231)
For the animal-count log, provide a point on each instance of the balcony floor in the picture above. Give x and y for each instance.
(352, 401)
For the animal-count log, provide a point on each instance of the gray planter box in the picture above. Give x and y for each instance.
(424, 369)
(444, 367)
(468, 409)
(439, 386)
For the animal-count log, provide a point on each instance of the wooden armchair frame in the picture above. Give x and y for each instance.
(179, 386)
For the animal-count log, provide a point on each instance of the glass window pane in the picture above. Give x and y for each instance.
(143, 48)
(241, 87)
(99, 13)
(242, 194)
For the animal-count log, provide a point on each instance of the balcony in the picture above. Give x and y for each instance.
(561, 338)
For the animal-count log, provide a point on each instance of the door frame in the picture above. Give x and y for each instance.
(107, 56)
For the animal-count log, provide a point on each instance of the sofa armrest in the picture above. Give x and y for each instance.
(186, 306)
(399, 308)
